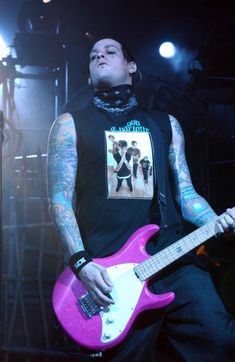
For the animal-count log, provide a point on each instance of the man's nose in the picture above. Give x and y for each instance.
(100, 55)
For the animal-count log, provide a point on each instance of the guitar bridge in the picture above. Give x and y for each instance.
(89, 306)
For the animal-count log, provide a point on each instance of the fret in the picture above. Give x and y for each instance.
(148, 268)
(163, 258)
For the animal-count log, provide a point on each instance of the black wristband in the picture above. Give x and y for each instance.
(78, 260)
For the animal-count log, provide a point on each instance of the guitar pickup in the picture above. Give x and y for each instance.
(89, 306)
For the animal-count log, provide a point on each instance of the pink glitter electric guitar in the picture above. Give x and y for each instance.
(130, 268)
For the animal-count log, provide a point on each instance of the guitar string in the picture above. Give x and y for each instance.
(176, 250)
(161, 258)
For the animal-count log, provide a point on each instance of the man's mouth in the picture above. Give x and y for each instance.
(101, 64)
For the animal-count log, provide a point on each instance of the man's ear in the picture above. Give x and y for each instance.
(89, 81)
(132, 67)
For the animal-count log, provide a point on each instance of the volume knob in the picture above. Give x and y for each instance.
(107, 335)
(110, 319)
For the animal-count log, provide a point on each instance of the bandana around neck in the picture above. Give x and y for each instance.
(116, 100)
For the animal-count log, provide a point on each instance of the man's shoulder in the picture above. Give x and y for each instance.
(64, 117)
(161, 120)
(86, 112)
(64, 120)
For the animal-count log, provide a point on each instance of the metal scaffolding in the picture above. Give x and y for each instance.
(30, 249)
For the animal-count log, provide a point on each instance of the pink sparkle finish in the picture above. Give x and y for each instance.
(68, 289)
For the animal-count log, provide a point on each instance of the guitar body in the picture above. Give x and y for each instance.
(108, 327)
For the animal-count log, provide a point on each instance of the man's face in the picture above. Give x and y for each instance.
(108, 67)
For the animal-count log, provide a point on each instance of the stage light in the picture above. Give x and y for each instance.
(167, 49)
(90, 37)
(3, 48)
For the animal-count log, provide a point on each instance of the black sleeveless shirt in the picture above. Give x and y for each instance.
(108, 217)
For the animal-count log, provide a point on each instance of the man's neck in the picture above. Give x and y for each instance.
(107, 87)
(117, 100)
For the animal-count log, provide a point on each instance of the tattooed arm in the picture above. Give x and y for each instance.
(61, 177)
(194, 208)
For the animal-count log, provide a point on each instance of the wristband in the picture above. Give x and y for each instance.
(78, 260)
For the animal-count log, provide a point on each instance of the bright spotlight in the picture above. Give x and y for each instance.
(167, 49)
(3, 48)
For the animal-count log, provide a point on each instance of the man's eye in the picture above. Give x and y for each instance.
(92, 57)
(111, 52)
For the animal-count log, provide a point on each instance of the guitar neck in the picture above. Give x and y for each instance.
(167, 256)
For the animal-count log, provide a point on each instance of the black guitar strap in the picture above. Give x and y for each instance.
(160, 163)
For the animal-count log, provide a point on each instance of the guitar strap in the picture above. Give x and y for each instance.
(160, 172)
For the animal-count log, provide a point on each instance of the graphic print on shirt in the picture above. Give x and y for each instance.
(129, 165)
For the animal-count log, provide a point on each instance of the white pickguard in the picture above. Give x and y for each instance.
(126, 292)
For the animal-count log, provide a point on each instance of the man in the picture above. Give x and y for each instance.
(134, 150)
(122, 157)
(196, 325)
(145, 168)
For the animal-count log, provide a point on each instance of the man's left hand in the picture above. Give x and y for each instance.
(226, 221)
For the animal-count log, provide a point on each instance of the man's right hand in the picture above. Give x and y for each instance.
(96, 280)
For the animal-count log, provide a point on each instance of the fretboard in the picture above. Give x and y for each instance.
(167, 256)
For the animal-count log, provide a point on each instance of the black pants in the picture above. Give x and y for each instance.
(135, 168)
(195, 327)
(145, 173)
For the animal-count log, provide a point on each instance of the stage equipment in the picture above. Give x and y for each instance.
(38, 16)
(39, 49)
(27, 229)
(217, 56)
